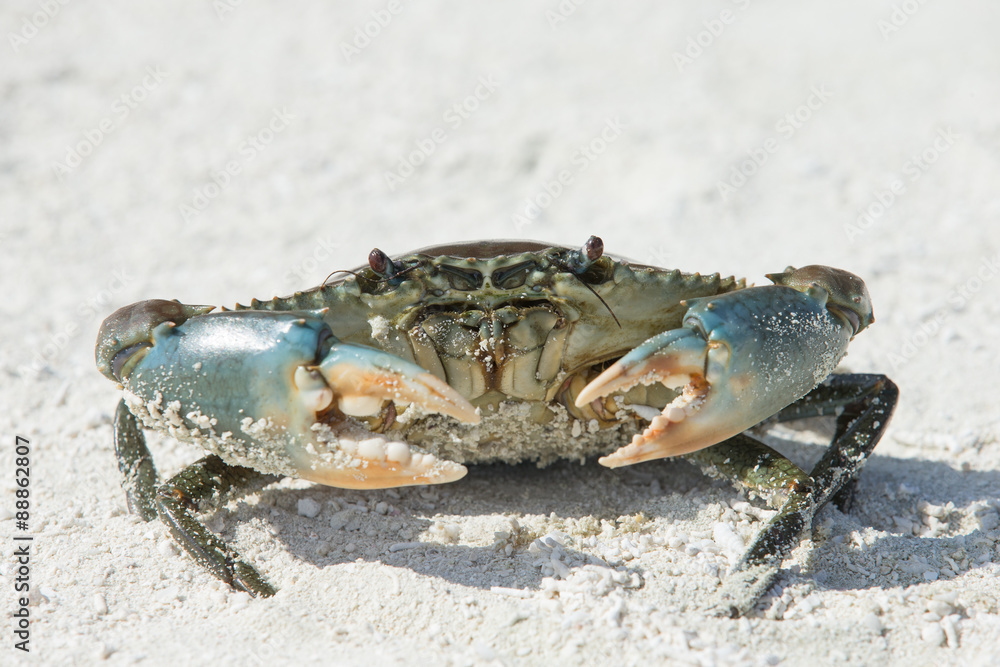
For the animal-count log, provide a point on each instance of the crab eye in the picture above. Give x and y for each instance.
(465, 280)
(512, 277)
(125, 360)
(593, 248)
(380, 263)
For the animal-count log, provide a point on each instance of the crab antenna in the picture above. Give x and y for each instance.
(394, 278)
(333, 273)
(601, 299)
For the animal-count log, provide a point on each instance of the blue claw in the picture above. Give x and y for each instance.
(253, 387)
(740, 358)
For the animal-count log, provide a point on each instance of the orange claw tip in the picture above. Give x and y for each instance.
(630, 455)
(680, 428)
(602, 385)
(670, 358)
(659, 446)
(637, 451)
(446, 400)
(365, 461)
(383, 477)
(363, 377)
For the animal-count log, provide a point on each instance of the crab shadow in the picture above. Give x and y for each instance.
(409, 527)
(893, 498)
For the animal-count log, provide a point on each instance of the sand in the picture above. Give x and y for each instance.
(218, 151)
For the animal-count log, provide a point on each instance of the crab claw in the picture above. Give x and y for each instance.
(739, 358)
(125, 334)
(259, 389)
(363, 377)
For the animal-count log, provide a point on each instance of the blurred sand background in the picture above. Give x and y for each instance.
(218, 151)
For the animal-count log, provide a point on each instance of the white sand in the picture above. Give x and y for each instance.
(908, 578)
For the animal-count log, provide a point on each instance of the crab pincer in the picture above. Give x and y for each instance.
(362, 379)
(738, 359)
(274, 391)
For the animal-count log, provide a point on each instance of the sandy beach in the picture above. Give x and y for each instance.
(219, 151)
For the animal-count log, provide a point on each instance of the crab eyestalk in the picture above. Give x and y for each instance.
(580, 260)
(256, 388)
(739, 358)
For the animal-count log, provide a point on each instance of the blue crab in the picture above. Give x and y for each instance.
(411, 367)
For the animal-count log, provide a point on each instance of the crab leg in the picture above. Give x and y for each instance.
(863, 405)
(203, 480)
(139, 478)
(174, 501)
(740, 358)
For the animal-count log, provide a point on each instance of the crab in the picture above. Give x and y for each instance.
(410, 368)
